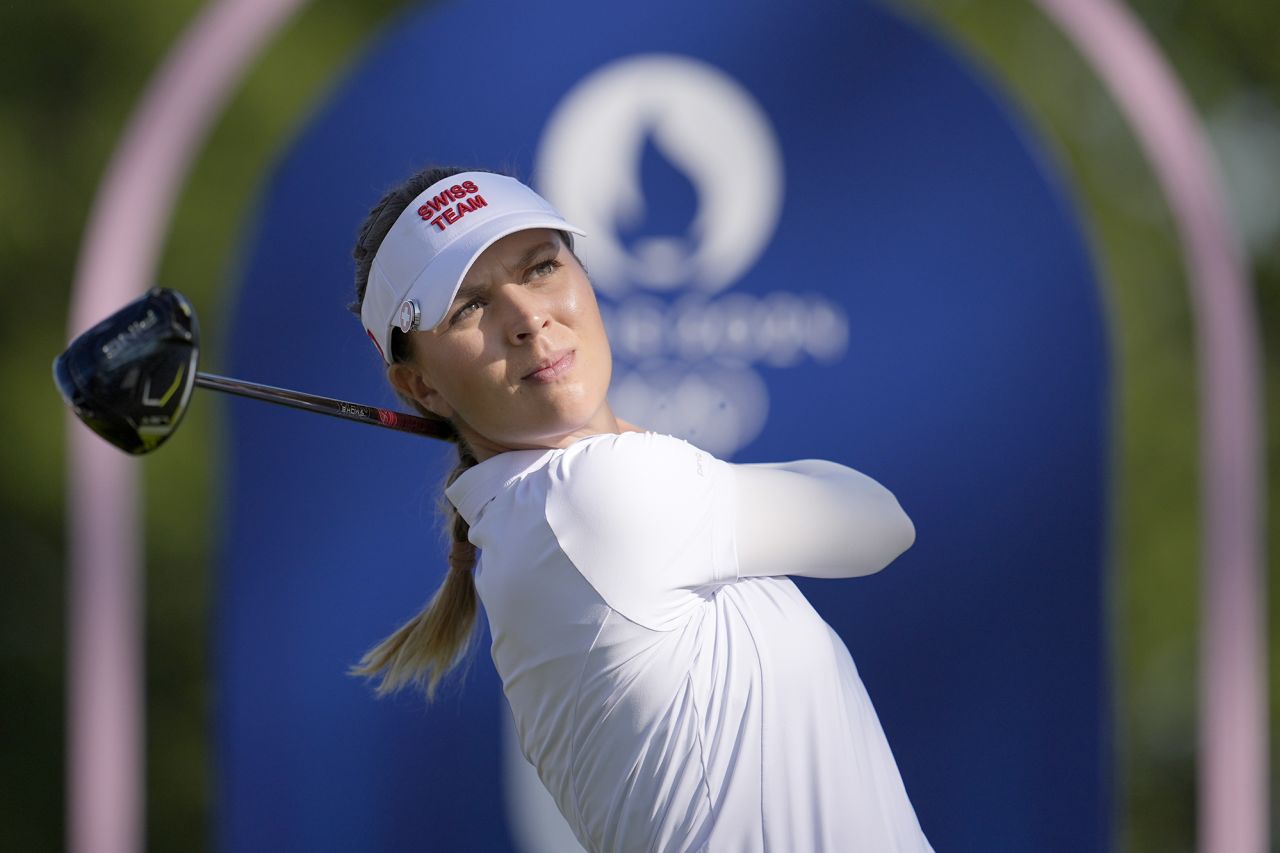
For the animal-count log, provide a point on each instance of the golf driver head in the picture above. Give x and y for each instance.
(130, 377)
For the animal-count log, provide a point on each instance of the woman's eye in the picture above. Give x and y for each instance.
(547, 267)
(464, 310)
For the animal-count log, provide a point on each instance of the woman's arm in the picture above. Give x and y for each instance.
(815, 518)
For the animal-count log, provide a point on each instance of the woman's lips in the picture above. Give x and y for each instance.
(553, 372)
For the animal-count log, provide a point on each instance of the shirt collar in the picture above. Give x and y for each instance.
(480, 483)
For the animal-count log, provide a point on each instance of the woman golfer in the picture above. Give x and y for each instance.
(673, 688)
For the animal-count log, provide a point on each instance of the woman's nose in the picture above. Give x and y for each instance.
(527, 313)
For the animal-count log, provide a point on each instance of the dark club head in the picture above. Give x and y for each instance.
(129, 378)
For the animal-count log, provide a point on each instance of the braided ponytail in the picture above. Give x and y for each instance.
(430, 644)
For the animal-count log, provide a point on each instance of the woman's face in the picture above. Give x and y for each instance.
(526, 300)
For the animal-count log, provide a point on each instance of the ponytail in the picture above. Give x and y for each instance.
(423, 650)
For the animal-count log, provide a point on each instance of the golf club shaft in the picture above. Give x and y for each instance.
(323, 405)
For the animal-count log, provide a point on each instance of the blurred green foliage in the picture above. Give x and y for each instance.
(74, 70)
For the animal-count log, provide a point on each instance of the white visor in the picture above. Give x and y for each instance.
(420, 265)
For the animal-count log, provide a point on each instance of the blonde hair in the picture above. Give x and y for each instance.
(424, 649)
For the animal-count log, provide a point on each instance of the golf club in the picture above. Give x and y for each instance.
(130, 377)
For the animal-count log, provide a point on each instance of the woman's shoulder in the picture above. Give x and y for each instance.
(641, 515)
(616, 477)
(611, 461)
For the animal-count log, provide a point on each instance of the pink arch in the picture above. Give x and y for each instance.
(117, 262)
(1233, 697)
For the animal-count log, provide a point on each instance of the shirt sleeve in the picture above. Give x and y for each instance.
(647, 519)
(815, 518)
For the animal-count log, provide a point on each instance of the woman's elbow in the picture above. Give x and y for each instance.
(899, 534)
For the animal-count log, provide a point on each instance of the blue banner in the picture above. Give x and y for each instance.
(816, 232)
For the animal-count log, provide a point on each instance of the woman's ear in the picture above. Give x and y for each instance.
(409, 383)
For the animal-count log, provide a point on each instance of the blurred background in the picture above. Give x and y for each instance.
(73, 71)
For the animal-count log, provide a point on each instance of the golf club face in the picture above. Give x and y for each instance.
(130, 377)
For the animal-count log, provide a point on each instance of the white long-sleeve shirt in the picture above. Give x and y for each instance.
(672, 688)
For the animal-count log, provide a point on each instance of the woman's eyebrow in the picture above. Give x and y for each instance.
(527, 257)
(469, 290)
